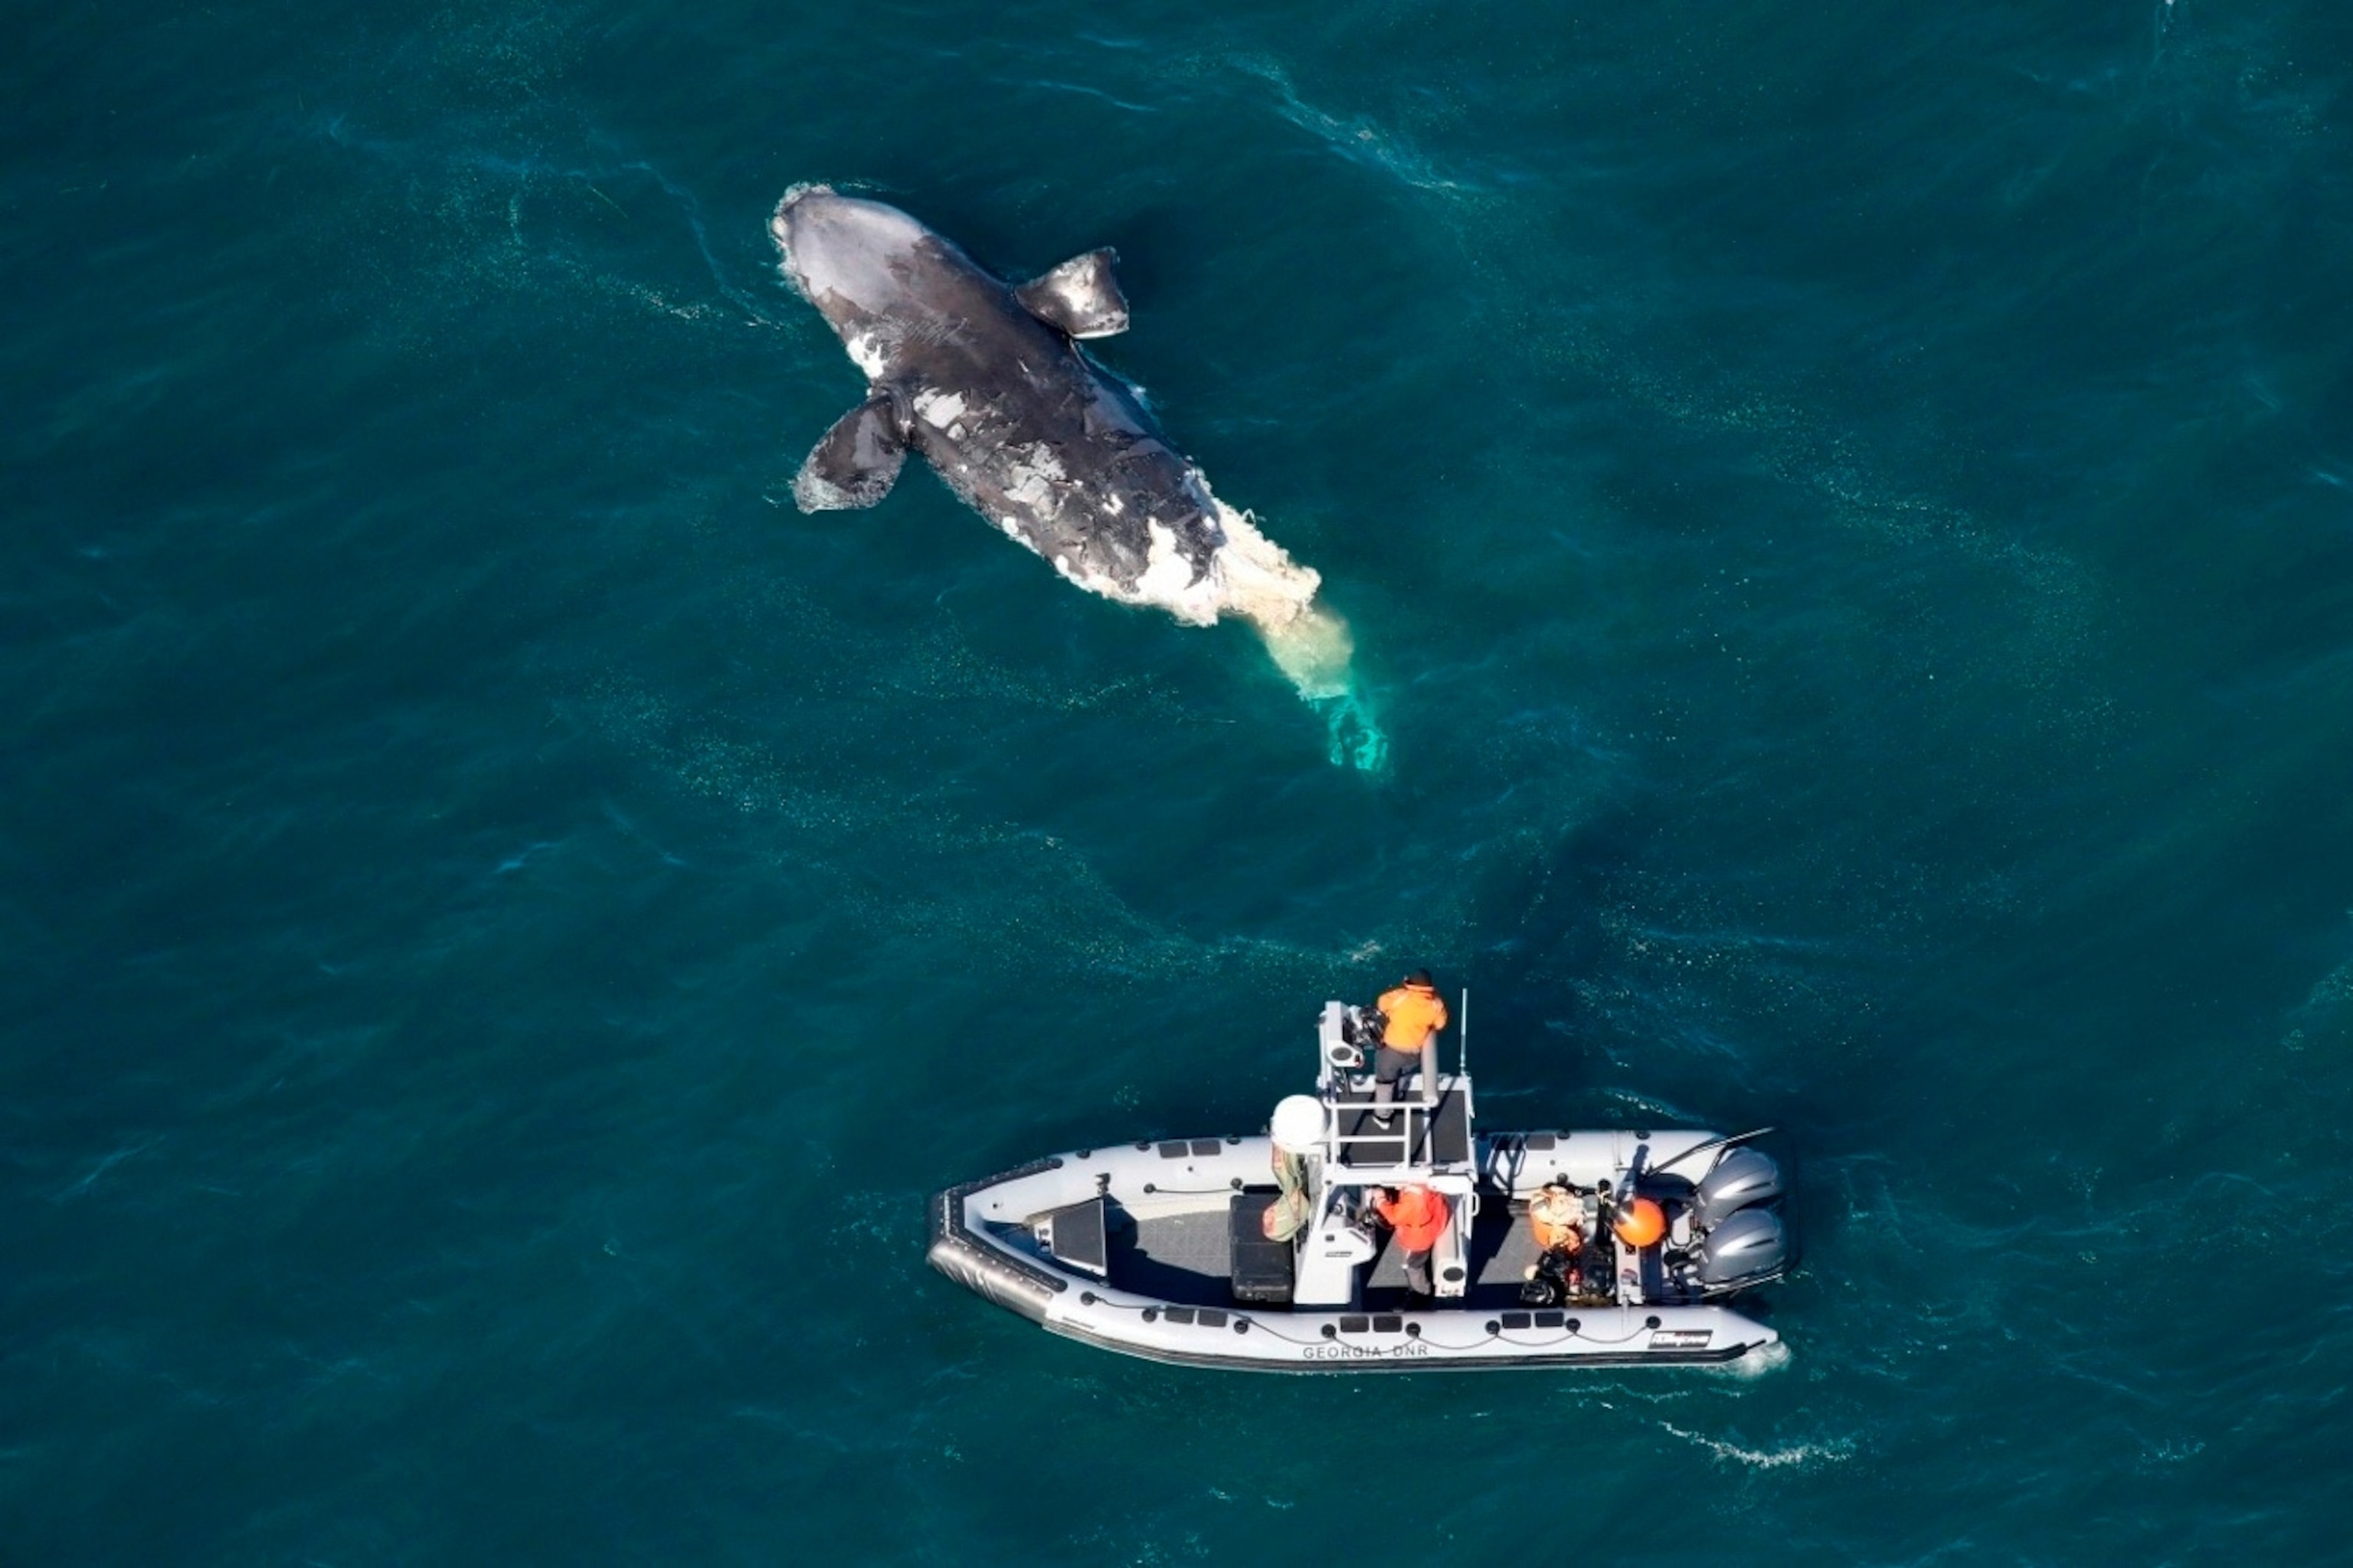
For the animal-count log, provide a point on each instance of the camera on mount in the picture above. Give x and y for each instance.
(1556, 1279)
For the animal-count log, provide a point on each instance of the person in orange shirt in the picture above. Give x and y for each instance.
(1416, 1014)
(1419, 1217)
(1557, 1219)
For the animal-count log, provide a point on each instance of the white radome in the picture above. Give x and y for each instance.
(1298, 1123)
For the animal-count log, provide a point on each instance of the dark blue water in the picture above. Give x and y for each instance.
(1846, 513)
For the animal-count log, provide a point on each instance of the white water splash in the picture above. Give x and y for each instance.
(1762, 1362)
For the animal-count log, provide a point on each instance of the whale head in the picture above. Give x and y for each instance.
(855, 260)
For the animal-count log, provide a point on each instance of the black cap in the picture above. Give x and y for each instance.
(1418, 976)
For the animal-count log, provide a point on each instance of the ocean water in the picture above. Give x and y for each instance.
(1846, 514)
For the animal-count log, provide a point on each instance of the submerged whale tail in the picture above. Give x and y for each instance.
(1313, 647)
(1309, 643)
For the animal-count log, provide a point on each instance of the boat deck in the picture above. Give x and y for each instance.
(1186, 1258)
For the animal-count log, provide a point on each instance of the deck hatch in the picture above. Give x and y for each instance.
(1078, 1234)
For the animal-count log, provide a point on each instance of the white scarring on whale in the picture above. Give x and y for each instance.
(987, 383)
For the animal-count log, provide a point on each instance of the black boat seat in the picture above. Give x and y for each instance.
(1263, 1269)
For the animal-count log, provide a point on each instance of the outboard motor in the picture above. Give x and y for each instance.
(1742, 1179)
(1747, 1248)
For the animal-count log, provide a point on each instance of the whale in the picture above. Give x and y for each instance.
(987, 382)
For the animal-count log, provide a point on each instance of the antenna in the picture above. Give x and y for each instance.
(1737, 1138)
(1462, 1039)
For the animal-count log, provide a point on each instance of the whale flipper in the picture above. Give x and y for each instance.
(855, 462)
(1079, 297)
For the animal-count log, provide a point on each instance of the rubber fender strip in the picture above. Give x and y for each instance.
(1012, 1282)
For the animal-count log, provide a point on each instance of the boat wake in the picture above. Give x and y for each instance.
(1801, 1455)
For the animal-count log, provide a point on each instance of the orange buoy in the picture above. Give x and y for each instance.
(1640, 1222)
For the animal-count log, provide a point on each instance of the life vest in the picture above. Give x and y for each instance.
(1557, 1221)
(1419, 1216)
(1415, 1013)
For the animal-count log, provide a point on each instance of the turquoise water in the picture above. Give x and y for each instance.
(1847, 517)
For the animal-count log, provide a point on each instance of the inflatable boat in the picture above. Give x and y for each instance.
(1267, 1252)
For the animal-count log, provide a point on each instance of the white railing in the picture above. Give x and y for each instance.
(1340, 1074)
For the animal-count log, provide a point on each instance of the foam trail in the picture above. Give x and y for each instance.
(1802, 1454)
(1308, 642)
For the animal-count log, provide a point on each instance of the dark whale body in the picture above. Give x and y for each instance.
(987, 383)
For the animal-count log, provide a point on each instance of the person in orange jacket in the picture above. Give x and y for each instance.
(1416, 1012)
(1419, 1217)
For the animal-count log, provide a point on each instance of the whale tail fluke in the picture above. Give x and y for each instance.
(1314, 650)
(1352, 733)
